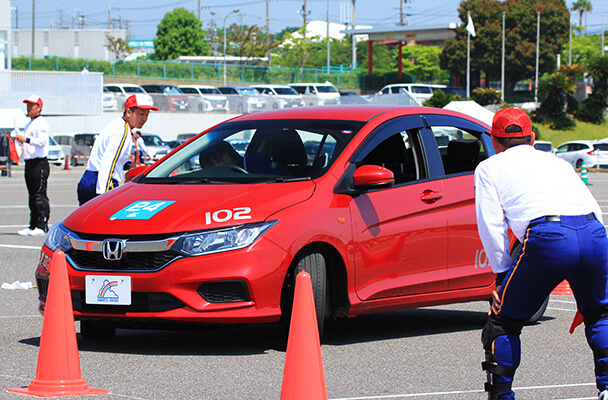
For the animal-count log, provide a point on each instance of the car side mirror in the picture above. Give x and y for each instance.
(134, 172)
(370, 177)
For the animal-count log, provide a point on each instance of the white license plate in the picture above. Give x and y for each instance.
(107, 289)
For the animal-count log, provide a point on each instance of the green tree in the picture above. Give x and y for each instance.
(592, 110)
(117, 46)
(582, 6)
(249, 41)
(553, 91)
(423, 61)
(583, 48)
(295, 51)
(520, 41)
(179, 34)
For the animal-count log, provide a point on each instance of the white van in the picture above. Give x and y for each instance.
(419, 91)
(317, 93)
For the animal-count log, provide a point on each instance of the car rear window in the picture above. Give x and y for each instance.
(601, 146)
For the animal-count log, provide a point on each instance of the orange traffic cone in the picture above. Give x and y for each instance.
(562, 289)
(303, 377)
(67, 163)
(58, 371)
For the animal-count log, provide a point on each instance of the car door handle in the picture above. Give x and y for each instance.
(430, 196)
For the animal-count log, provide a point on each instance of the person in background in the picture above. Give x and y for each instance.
(559, 223)
(141, 148)
(35, 142)
(111, 152)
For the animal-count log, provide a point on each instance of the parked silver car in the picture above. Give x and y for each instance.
(205, 98)
(244, 99)
(281, 96)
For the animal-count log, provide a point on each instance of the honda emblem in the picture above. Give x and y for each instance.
(113, 249)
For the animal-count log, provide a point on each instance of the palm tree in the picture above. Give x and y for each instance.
(582, 6)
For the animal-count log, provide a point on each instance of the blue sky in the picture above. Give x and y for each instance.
(144, 15)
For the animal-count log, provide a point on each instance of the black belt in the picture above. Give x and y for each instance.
(558, 218)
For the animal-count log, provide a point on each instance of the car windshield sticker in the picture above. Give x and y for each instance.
(141, 209)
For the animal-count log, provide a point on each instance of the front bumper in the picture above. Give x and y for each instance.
(241, 286)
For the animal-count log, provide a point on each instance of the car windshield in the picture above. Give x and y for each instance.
(133, 89)
(152, 140)
(248, 91)
(285, 91)
(326, 89)
(52, 142)
(209, 91)
(257, 152)
(171, 90)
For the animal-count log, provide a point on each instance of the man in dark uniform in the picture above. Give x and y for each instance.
(552, 213)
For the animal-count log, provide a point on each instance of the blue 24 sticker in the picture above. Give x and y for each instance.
(141, 209)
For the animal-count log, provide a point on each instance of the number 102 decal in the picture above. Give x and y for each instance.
(219, 216)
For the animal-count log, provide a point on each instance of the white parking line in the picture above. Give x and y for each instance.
(53, 206)
(433, 394)
(14, 246)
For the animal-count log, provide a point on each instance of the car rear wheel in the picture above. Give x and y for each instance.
(541, 311)
(579, 163)
(74, 162)
(96, 330)
(312, 261)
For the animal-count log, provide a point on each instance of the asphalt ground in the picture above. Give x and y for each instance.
(429, 353)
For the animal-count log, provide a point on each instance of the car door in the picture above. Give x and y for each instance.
(462, 145)
(399, 233)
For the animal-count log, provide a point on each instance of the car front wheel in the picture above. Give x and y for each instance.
(312, 261)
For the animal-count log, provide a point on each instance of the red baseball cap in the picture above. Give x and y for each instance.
(34, 100)
(514, 120)
(139, 101)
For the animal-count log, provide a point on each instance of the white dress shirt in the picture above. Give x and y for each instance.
(110, 152)
(36, 133)
(521, 184)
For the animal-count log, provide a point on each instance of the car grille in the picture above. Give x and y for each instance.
(140, 302)
(140, 261)
(43, 286)
(54, 154)
(224, 291)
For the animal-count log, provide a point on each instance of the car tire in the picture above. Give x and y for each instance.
(74, 162)
(579, 163)
(312, 261)
(96, 330)
(541, 311)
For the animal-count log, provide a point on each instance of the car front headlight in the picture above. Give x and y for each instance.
(58, 238)
(220, 240)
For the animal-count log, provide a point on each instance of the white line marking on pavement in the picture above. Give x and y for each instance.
(54, 206)
(561, 309)
(563, 301)
(432, 394)
(14, 246)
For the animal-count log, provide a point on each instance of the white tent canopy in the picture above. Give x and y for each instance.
(472, 109)
(12, 118)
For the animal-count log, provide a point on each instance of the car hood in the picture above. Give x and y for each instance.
(190, 207)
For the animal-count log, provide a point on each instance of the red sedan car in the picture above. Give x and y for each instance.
(375, 202)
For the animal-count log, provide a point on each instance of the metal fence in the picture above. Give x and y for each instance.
(63, 93)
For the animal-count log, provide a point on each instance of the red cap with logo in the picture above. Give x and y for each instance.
(140, 101)
(511, 122)
(33, 99)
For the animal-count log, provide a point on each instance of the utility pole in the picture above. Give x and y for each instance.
(401, 12)
(304, 13)
(328, 47)
(268, 35)
(33, 27)
(537, 51)
(353, 42)
(199, 11)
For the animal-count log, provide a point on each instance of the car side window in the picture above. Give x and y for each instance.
(398, 154)
(460, 151)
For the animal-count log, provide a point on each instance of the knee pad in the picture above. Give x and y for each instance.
(500, 338)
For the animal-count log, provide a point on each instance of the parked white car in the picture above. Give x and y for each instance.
(205, 98)
(108, 100)
(281, 96)
(592, 152)
(317, 93)
(122, 91)
(419, 91)
(56, 155)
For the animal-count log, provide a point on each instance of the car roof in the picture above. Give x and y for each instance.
(270, 86)
(198, 86)
(579, 141)
(350, 113)
(121, 84)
